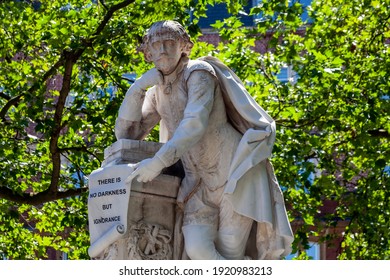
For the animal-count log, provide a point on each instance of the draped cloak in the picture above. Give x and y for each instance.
(252, 187)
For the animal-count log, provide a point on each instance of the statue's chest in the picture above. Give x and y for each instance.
(171, 103)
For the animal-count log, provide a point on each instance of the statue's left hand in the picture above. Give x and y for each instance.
(147, 170)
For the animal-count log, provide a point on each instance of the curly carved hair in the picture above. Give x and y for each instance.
(169, 30)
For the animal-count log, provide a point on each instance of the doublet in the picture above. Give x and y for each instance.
(193, 125)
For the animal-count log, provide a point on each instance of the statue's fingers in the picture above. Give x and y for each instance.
(142, 178)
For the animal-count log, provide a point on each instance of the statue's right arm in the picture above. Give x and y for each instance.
(137, 115)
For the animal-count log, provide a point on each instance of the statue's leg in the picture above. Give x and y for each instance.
(233, 232)
(200, 226)
(199, 242)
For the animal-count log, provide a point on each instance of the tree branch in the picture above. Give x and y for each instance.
(379, 133)
(109, 15)
(68, 59)
(103, 4)
(36, 199)
(80, 149)
(55, 153)
(12, 102)
(15, 100)
(71, 58)
(3, 95)
(111, 77)
(77, 53)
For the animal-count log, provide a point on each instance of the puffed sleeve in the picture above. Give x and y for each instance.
(201, 86)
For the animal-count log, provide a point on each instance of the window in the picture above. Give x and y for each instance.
(304, 16)
(287, 75)
(313, 252)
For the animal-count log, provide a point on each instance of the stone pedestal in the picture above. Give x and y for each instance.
(152, 206)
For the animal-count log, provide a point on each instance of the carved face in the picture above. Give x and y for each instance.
(165, 54)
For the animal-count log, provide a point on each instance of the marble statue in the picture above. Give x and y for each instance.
(230, 201)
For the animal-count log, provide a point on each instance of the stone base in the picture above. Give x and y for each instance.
(133, 151)
(129, 151)
(152, 207)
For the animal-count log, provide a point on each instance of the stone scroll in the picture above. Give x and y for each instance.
(107, 206)
(131, 221)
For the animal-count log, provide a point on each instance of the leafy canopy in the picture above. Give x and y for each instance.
(61, 87)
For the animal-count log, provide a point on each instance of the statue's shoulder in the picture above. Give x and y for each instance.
(196, 65)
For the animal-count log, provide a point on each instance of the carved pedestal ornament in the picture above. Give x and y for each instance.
(149, 242)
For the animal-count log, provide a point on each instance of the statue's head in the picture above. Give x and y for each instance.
(166, 30)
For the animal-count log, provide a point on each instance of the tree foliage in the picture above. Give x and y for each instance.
(61, 87)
